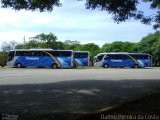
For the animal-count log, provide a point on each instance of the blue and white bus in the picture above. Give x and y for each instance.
(133, 60)
(81, 58)
(41, 58)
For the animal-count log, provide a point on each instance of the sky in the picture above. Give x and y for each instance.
(70, 22)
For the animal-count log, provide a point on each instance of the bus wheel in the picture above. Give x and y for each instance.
(106, 66)
(18, 65)
(136, 66)
(54, 66)
(2, 65)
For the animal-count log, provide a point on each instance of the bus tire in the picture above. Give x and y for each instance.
(18, 65)
(75, 65)
(2, 65)
(136, 66)
(106, 66)
(54, 66)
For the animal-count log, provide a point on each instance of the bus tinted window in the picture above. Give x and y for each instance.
(113, 56)
(65, 53)
(11, 55)
(140, 56)
(80, 55)
(118, 56)
(145, 57)
(60, 53)
(28, 53)
(54, 53)
(39, 53)
(23, 53)
(19, 53)
(100, 57)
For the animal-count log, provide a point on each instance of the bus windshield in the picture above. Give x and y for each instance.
(10, 55)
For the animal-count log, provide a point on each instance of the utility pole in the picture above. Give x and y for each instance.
(24, 41)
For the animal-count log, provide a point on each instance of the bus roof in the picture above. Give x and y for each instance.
(81, 51)
(38, 50)
(125, 53)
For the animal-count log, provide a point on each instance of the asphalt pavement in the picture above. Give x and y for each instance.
(30, 91)
(38, 76)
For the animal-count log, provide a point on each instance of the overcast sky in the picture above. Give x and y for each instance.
(70, 22)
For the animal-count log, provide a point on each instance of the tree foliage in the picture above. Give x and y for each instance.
(149, 44)
(72, 45)
(7, 46)
(120, 9)
(118, 46)
(3, 58)
(41, 5)
(43, 41)
(92, 48)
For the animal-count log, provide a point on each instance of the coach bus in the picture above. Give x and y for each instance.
(133, 60)
(81, 58)
(41, 58)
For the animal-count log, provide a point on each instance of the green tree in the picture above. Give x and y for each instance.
(32, 44)
(121, 10)
(42, 41)
(7, 46)
(20, 46)
(45, 40)
(92, 48)
(72, 45)
(60, 45)
(151, 44)
(118, 46)
(3, 58)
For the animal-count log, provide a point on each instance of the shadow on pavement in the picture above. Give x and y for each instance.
(69, 97)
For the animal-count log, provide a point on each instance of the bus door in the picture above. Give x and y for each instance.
(10, 58)
(99, 60)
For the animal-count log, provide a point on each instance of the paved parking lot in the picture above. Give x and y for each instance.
(55, 91)
(37, 76)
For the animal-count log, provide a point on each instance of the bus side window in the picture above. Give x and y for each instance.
(19, 53)
(124, 57)
(76, 55)
(106, 57)
(120, 56)
(32, 53)
(139, 57)
(27, 53)
(56, 53)
(36, 53)
(65, 53)
(114, 57)
(110, 56)
(44, 54)
(99, 58)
